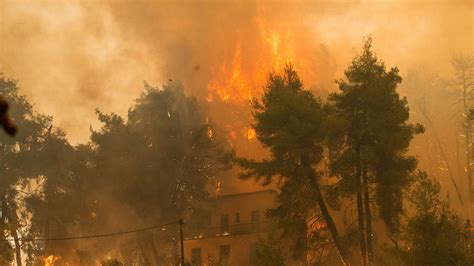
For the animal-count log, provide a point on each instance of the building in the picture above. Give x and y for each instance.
(236, 223)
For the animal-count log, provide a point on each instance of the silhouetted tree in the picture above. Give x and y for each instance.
(464, 68)
(56, 203)
(111, 262)
(151, 168)
(157, 164)
(374, 140)
(18, 160)
(269, 252)
(289, 121)
(433, 234)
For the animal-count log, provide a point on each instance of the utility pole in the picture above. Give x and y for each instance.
(181, 239)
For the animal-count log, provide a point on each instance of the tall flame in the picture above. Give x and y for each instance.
(232, 82)
(242, 74)
(235, 82)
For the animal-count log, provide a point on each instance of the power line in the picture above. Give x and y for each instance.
(94, 236)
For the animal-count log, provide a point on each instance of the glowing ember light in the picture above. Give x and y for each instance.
(218, 187)
(210, 133)
(209, 98)
(251, 134)
(50, 260)
(232, 135)
(320, 225)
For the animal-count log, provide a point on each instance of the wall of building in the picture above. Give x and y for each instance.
(244, 204)
(240, 249)
(241, 235)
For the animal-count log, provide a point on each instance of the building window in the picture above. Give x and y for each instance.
(255, 220)
(192, 229)
(225, 223)
(224, 254)
(207, 220)
(196, 259)
(237, 217)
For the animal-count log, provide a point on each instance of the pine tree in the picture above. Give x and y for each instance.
(433, 234)
(372, 145)
(19, 159)
(290, 122)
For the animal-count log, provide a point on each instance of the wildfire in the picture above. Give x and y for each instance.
(251, 134)
(232, 82)
(210, 133)
(50, 260)
(320, 225)
(241, 80)
(242, 72)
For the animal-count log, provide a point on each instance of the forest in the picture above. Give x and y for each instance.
(234, 133)
(156, 165)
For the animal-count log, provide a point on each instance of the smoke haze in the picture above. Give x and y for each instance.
(74, 56)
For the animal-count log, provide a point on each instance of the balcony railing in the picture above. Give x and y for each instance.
(234, 229)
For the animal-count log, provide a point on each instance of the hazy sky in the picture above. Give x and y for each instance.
(71, 57)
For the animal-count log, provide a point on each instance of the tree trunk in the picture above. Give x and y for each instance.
(8, 213)
(360, 219)
(13, 224)
(468, 135)
(360, 208)
(17, 247)
(46, 249)
(368, 218)
(332, 229)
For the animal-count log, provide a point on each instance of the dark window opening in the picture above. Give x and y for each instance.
(224, 254)
(255, 220)
(225, 223)
(196, 259)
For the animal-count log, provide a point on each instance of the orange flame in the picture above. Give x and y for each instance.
(320, 225)
(251, 134)
(236, 82)
(50, 260)
(232, 82)
(210, 133)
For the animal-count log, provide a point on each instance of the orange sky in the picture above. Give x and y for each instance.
(74, 56)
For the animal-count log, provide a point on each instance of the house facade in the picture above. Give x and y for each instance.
(231, 235)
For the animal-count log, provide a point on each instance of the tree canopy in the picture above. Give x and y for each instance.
(290, 122)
